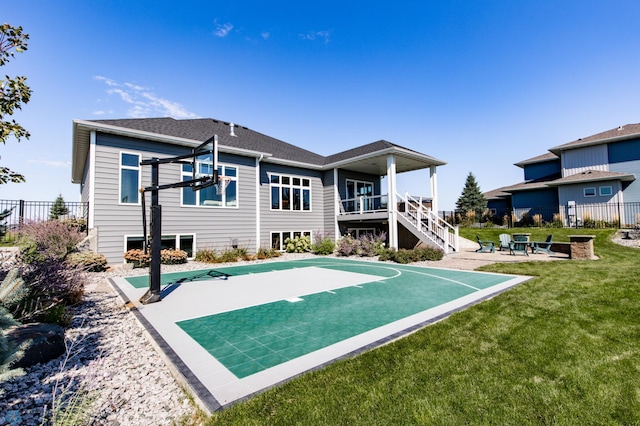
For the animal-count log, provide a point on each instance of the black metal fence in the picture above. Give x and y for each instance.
(602, 215)
(15, 213)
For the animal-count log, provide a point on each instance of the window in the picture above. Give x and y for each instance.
(590, 192)
(290, 193)
(183, 242)
(605, 191)
(208, 197)
(355, 190)
(278, 238)
(129, 178)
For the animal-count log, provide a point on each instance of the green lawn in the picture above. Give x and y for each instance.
(562, 348)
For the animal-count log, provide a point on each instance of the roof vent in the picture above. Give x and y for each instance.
(232, 129)
(619, 128)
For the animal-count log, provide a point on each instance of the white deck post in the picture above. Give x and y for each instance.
(433, 181)
(392, 203)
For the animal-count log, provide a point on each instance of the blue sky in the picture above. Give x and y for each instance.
(478, 84)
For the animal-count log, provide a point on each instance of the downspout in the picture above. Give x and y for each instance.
(258, 160)
(336, 206)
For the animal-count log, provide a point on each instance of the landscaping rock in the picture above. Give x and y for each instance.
(47, 343)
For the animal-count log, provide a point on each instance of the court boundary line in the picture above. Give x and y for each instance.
(206, 398)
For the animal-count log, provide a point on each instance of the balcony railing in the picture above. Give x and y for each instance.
(364, 205)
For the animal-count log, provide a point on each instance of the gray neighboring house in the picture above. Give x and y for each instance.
(591, 178)
(277, 190)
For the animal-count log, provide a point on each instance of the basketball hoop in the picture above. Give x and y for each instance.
(221, 186)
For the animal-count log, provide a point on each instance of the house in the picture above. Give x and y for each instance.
(276, 190)
(589, 179)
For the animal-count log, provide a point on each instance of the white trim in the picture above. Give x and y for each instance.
(120, 168)
(291, 186)
(258, 210)
(606, 186)
(584, 192)
(336, 207)
(433, 180)
(281, 248)
(92, 181)
(393, 199)
(223, 197)
(175, 234)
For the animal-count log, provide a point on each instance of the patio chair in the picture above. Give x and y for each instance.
(544, 247)
(485, 246)
(519, 246)
(504, 241)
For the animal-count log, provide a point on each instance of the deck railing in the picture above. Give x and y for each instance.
(363, 205)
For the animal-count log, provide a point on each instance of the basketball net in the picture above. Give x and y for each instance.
(221, 186)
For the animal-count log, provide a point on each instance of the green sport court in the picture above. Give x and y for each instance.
(236, 330)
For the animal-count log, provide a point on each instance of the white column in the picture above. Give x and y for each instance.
(392, 202)
(433, 181)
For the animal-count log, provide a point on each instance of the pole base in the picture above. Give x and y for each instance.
(150, 297)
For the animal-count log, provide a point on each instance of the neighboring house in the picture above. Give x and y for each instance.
(277, 190)
(592, 178)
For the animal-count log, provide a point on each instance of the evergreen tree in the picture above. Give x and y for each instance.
(58, 209)
(13, 93)
(471, 198)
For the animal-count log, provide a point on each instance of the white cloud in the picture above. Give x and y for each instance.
(222, 30)
(52, 163)
(143, 102)
(265, 35)
(313, 35)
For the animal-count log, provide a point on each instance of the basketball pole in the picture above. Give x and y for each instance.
(154, 294)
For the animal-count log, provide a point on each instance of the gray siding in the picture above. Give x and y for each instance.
(583, 159)
(289, 221)
(576, 193)
(214, 227)
(632, 191)
(329, 200)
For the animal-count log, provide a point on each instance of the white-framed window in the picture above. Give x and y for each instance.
(589, 192)
(290, 192)
(185, 242)
(605, 191)
(129, 178)
(207, 197)
(357, 232)
(278, 238)
(356, 189)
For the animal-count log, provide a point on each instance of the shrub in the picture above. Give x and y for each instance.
(324, 245)
(408, 256)
(47, 240)
(138, 257)
(88, 260)
(347, 246)
(267, 253)
(232, 255)
(76, 223)
(299, 244)
(207, 256)
(173, 256)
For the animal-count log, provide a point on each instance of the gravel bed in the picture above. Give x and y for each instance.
(111, 360)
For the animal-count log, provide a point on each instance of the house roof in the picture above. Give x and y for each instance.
(237, 139)
(549, 156)
(628, 131)
(592, 176)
